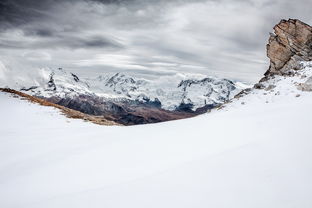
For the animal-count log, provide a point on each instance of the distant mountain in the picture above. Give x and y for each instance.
(170, 93)
(120, 94)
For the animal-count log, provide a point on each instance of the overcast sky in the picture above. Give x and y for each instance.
(148, 38)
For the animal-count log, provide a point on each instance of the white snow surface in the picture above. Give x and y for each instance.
(256, 152)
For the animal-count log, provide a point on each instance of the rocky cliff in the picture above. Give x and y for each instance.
(290, 44)
(290, 52)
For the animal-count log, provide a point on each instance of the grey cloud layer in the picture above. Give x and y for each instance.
(146, 37)
(61, 41)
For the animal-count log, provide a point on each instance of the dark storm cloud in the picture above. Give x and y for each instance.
(41, 20)
(19, 12)
(16, 12)
(41, 32)
(94, 42)
(39, 23)
(114, 1)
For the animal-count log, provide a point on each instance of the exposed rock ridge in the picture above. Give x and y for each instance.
(289, 50)
(290, 44)
(70, 113)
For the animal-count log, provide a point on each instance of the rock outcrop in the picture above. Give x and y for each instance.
(290, 44)
(306, 86)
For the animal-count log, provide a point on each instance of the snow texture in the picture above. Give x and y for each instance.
(255, 152)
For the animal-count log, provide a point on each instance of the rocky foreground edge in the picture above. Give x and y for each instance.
(288, 47)
(290, 44)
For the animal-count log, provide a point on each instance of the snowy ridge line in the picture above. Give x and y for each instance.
(121, 98)
(70, 113)
(170, 92)
(273, 88)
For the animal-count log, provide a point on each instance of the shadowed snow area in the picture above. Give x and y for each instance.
(255, 152)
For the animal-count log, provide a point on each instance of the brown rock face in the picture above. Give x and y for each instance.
(290, 43)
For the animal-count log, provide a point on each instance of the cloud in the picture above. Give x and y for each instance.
(149, 37)
(37, 56)
(48, 40)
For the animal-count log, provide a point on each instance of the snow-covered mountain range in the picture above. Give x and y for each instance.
(169, 93)
(107, 94)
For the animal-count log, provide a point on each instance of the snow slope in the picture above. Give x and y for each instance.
(256, 152)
